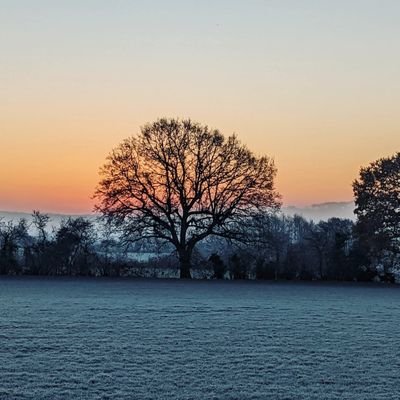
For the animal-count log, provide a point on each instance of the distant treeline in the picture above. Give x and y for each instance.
(181, 200)
(279, 248)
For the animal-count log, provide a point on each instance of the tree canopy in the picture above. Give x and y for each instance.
(377, 198)
(181, 182)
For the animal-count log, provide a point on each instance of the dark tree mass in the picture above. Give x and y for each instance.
(377, 198)
(180, 200)
(181, 182)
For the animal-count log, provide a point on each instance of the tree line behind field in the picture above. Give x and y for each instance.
(207, 207)
(187, 185)
(279, 248)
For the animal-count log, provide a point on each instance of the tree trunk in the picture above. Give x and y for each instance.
(321, 265)
(185, 264)
(277, 263)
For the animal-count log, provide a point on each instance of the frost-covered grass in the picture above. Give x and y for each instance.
(116, 339)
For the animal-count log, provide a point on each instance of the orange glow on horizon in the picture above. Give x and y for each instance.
(58, 170)
(314, 86)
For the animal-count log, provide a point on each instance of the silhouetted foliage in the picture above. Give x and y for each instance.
(238, 267)
(13, 237)
(73, 249)
(181, 182)
(219, 267)
(39, 261)
(377, 199)
(279, 247)
(229, 241)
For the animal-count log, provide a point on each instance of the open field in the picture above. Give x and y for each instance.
(148, 339)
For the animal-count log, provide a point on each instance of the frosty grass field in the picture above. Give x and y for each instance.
(127, 339)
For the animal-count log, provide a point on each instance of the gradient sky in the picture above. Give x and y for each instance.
(315, 84)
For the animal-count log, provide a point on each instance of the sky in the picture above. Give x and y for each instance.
(313, 84)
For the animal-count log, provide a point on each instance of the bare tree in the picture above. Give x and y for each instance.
(40, 222)
(181, 182)
(39, 259)
(13, 236)
(273, 239)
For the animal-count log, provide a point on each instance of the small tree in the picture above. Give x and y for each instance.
(12, 240)
(181, 182)
(39, 260)
(218, 265)
(40, 222)
(271, 241)
(73, 248)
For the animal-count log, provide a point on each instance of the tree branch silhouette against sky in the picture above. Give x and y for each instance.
(181, 182)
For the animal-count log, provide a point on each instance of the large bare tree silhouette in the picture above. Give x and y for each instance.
(181, 182)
